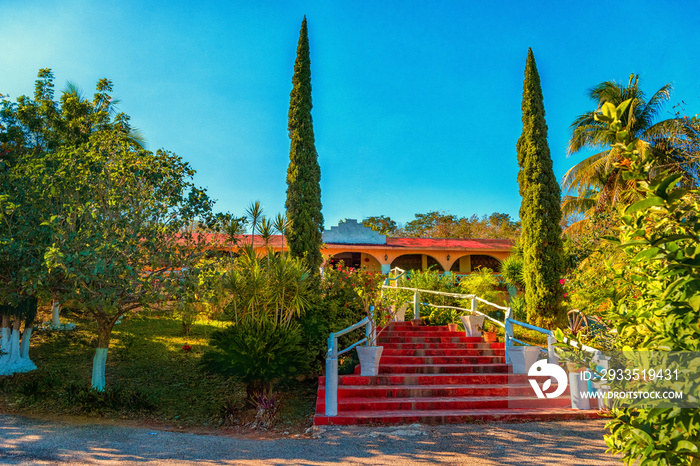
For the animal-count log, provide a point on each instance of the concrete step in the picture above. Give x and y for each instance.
(407, 391)
(460, 359)
(421, 352)
(439, 368)
(453, 416)
(443, 403)
(432, 379)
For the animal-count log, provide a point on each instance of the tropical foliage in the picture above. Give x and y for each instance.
(643, 281)
(596, 183)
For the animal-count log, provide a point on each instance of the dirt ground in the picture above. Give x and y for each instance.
(30, 441)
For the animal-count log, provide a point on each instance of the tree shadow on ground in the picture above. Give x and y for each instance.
(554, 443)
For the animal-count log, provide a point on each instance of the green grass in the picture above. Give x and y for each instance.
(146, 365)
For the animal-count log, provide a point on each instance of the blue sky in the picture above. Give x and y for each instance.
(416, 103)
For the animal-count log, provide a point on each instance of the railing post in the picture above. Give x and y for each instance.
(332, 377)
(508, 331)
(373, 326)
(416, 305)
(475, 304)
(552, 356)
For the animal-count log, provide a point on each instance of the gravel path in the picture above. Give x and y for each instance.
(38, 442)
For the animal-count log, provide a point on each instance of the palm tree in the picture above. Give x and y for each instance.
(281, 224)
(234, 227)
(266, 230)
(254, 213)
(596, 183)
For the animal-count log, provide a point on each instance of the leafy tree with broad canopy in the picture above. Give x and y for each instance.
(303, 173)
(118, 218)
(540, 210)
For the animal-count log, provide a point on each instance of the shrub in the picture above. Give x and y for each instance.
(258, 353)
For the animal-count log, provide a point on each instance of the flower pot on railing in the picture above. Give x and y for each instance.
(473, 324)
(401, 314)
(577, 386)
(522, 357)
(369, 359)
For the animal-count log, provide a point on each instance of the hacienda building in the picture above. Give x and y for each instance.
(361, 247)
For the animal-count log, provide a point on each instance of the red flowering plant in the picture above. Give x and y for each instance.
(348, 294)
(187, 348)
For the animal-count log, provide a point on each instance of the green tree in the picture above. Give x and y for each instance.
(304, 173)
(431, 225)
(28, 128)
(540, 211)
(595, 184)
(443, 225)
(108, 222)
(381, 224)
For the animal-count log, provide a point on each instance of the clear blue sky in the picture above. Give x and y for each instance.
(416, 103)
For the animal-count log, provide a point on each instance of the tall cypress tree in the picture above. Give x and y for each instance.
(540, 210)
(303, 174)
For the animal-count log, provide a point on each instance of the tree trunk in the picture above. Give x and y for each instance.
(55, 318)
(14, 342)
(24, 345)
(104, 334)
(5, 336)
(10, 361)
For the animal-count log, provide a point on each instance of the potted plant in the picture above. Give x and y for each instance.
(473, 323)
(371, 354)
(522, 357)
(490, 332)
(577, 362)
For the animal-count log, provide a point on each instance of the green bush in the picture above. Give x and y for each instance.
(258, 353)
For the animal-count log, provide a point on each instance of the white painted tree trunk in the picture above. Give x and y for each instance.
(24, 345)
(5, 335)
(14, 344)
(9, 361)
(98, 369)
(5, 340)
(55, 318)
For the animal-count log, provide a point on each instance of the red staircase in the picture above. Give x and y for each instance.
(433, 376)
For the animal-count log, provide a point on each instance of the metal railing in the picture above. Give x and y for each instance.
(332, 362)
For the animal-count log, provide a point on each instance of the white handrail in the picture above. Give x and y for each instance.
(468, 310)
(332, 362)
(442, 293)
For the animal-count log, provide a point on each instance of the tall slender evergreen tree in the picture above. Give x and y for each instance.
(540, 210)
(303, 174)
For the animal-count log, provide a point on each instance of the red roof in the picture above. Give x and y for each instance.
(449, 243)
(392, 243)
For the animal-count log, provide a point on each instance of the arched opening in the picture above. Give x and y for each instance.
(417, 262)
(472, 262)
(349, 259)
(356, 260)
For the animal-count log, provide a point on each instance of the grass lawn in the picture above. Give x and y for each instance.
(149, 377)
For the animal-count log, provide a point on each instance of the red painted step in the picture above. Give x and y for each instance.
(432, 375)
(453, 416)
